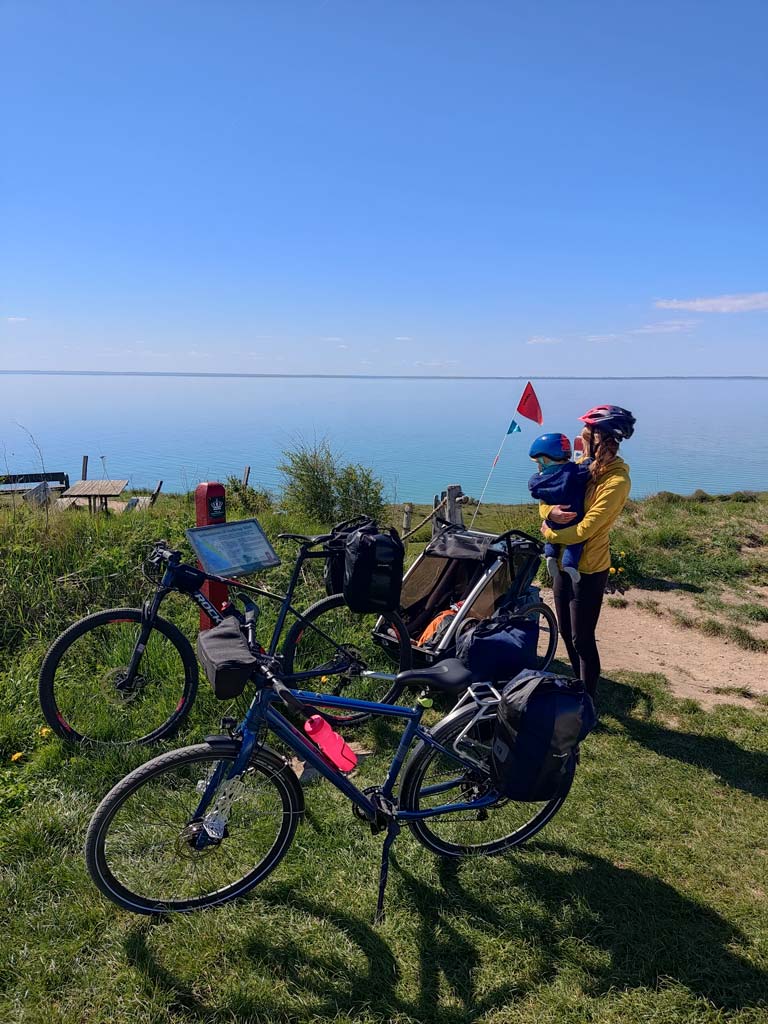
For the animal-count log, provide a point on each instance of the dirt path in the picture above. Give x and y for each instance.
(636, 640)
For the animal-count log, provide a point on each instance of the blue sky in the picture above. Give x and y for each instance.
(400, 187)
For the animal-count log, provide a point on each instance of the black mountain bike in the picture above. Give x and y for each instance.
(127, 675)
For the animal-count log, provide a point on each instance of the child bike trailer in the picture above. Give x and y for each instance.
(464, 578)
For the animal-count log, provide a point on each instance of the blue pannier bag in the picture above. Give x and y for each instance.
(500, 647)
(540, 720)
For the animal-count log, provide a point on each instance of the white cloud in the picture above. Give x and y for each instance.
(342, 346)
(746, 303)
(16, 319)
(602, 338)
(540, 339)
(667, 327)
(404, 337)
(332, 338)
(436, 363)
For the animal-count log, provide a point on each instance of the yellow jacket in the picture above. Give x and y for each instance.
(603, 502)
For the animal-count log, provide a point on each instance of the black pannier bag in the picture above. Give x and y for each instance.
(333, 570)
(373, 569)
(540, 720)
(224, 654)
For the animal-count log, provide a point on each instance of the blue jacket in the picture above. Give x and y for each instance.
(566, 486)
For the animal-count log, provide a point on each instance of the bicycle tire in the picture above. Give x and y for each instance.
(59, 722)
(388, 692)
(544, 611)
(424, 830)
(263, 761)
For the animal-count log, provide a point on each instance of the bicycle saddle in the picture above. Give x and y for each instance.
(449, 676)
(305, 540)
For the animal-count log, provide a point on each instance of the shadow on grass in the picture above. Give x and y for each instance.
(619, 929)
(743, 769)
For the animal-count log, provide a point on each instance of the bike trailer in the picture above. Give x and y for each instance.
(472, 575)
(224, 653)
(540, 720)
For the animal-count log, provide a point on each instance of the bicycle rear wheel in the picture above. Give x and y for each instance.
(142, 847)
(84, 690)
(548, 633)
(433, 779)
(354, 642)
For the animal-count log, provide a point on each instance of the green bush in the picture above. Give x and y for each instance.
(249, 501)
(319, 487)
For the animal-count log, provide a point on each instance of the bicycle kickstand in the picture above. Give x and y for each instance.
(393, 831)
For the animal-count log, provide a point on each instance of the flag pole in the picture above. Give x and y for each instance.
(485, 488)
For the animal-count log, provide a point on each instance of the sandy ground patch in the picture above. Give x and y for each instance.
(635, 640)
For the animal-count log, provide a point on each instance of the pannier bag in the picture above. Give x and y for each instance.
(499, 648)
(540, 720)
(373, 569)
(224, 654)
(333, 570)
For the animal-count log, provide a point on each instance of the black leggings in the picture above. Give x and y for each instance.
(578, 609)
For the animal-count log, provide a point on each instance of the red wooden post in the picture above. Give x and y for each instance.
(211, 508)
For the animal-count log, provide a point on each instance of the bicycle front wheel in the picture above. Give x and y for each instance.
(143, 844)
(348, 644)
(87, 694)
(433, 779)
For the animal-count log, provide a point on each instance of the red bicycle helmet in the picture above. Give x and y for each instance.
(618, 423)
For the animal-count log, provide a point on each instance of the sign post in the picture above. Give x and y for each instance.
(211, 509)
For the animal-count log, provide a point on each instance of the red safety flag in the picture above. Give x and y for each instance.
(529, 405)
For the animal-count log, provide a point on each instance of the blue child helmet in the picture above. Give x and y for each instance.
(555, 446)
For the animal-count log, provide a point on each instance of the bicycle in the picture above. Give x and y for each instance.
(128, 675)
(203, 825)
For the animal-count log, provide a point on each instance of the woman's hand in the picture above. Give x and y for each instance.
(561, 514)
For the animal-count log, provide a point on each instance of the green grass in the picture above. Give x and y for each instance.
(643, 900)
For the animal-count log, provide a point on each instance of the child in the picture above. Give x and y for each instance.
(559, 482)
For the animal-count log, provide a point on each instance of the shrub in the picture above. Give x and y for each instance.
(250, 501)
(319, 487)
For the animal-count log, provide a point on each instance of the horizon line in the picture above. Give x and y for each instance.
(370, 376)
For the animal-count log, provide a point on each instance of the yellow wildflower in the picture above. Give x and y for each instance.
(621, 553)
(611, 570)
(621, 570)
(17, 756)
(45, 731)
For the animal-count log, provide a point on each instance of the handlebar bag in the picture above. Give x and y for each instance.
(499, 648)
(373, 569)
(540, 720)
(224, 654)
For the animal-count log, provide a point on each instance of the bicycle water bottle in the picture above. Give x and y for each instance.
(331, 744)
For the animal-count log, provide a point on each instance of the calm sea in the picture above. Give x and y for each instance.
(418, 435)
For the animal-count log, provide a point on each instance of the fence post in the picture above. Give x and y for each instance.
(407, 513)
(210, 509)
(84, 474)
(246, 474)
(453, 512)
(435, 527)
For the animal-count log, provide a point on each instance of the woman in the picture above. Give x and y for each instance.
(578, 604)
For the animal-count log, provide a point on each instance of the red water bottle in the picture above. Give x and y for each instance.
(331, 744)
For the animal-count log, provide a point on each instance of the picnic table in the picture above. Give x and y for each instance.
(96, 491)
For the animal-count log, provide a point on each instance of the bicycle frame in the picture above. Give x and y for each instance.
(168, 584)
(261, 714)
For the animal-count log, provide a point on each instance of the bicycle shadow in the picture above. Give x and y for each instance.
(623, 930)
(746, 770)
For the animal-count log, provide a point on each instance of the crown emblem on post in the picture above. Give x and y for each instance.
(217, 506)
